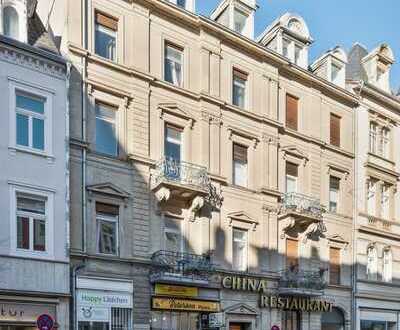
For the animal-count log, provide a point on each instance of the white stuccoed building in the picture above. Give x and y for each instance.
(34, 176)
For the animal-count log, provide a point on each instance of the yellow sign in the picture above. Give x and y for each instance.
(185, 305)
(175, 290)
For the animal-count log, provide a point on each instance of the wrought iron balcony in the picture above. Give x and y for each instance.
(181, 267)
(302, 204)
(304, 283)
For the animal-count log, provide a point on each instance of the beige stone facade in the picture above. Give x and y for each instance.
(230, 188)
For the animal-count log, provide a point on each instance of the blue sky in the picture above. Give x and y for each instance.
(336, 22)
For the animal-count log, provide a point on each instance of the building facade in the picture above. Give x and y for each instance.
(211, 173)
(34, 176)
(377, 248)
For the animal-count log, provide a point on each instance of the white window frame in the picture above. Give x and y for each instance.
(296, 181)
(385, 201)
(109, 32)
(337, 191)
(115, 122)
(100, 217)
(174, 141)
(372, 267)
(246, 19)
(387, 271)
(385, 142)
(371, 197)
(20, 7)
(16, 88)
(181, 49)
(373, 137)
(246, 252)
(49, 216)
(245, 88)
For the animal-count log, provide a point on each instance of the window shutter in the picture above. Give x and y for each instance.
(292, 253)
(107, 21)
(239, 74)
(334, 265)
(240, 153)
(292, 169)
(292, 112)
(335, 130)
(107, 209)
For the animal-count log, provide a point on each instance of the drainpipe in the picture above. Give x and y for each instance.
(74, 318)
(354, 324)
(84, 125)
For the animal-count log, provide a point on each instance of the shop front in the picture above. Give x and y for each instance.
(103, 304)
(177, 307)
(23, 316)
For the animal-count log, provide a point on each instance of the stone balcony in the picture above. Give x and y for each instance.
(301, 213)
(181, 267)
(295, 282)
(179, 179)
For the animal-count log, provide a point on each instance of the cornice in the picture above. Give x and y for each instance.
(378, 95)
(32, 61)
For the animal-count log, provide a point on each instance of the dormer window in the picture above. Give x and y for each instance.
(181, 3)
(240, 20)
(11, 22)
(297, 54)
(185, 4)
(285, 48)
(334, 72)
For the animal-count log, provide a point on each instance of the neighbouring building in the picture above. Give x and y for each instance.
(34, 171)
(377, 247)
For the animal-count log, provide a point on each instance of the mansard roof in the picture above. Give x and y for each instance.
(354, 68)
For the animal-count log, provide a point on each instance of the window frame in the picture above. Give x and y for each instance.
(339, 266)
(116, 126)
(181, 49)
(244, 77)
(102, 217)
(387, 268)
(13, 7)
(331, 177)
(335, 140)
(289, 176)
(48, 196)
(246, 248)
(287, 123)
(107, 30)
(385, 202)
(181, 233)
(35, 92)
(234, 160)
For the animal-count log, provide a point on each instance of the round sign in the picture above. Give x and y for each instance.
(45, 322)
(275, 327)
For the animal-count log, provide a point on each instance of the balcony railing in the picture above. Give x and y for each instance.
(303, 204)
(179, 172)
(295, 281)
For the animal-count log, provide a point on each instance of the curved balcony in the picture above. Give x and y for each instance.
(180, 179)
(302, 283)
(302, 213)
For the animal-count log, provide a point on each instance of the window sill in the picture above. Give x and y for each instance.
(13, 151)
(32, 254)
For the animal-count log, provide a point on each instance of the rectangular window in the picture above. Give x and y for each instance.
(335, 130)
(240, 165)
(105, 36)
(297, 54)
(334, 191)
(106, 130)
(291, 177)
(291, 320)
(334, 72)
(31, 222)
(181, 3)
(385, 201)
(378, 325)
(334, 266)
(173, 143)
(173, 235)
(240, 19)
(30, 121)
(107, 228)
(239, 250)
(371, 197)
(121, 319)
(239, 88)
(373, 138)
(285, 48)
(173, 65)
(292, 104)
(385, 142)
(292, 254)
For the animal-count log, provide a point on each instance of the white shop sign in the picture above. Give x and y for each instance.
(104, 299)
(89, 313)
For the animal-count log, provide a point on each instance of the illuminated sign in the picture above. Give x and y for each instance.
(185, 304)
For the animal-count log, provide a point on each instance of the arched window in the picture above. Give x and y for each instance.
(387, 265)
(332, 320)
(10, 22)
(372, 263)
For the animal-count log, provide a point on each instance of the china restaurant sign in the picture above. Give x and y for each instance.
(242, 283)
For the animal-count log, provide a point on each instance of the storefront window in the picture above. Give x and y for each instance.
(377, 325)
(332, 320)
(174, 321)
(16, 327)
(94, 326)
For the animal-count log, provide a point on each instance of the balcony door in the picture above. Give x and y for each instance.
(173, 151)
(292, 173)
(292, 254)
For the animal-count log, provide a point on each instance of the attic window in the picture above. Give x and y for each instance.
(295, 26)
(10, 22)
(240, 19)
(334, 72)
